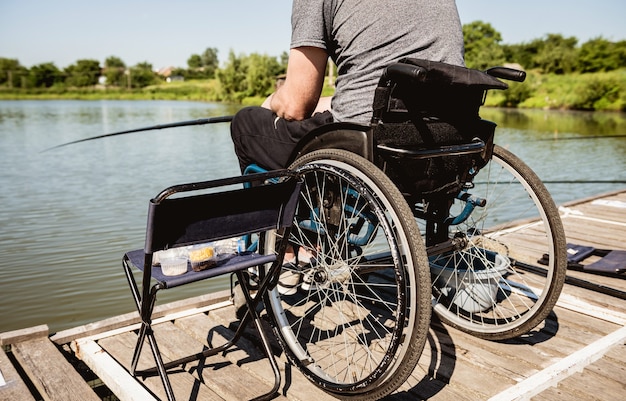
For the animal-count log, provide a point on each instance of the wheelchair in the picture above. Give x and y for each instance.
(418, 212)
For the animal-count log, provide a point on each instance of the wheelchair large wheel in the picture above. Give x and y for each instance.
(509, 275)
(353, 317)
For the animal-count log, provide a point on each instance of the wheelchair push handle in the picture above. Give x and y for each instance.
(509, 74)
(399, 72)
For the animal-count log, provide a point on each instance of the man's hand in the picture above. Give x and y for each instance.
(299, 96)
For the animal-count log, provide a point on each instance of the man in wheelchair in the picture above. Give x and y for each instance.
(406, 204)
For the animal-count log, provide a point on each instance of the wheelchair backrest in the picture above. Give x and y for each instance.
(414, 87)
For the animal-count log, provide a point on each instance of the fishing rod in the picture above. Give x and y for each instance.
(201, 121)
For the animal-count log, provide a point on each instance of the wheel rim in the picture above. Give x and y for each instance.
(339, 327)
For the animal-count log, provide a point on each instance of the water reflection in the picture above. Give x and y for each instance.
(575, 149)
(560, 124)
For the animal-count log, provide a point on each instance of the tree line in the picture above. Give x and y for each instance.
(552, 54)
(89, 72)
(252, 75)
(241, 76)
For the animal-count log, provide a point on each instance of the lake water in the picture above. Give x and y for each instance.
(68, 215)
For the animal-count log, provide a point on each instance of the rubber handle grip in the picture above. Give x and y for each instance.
(507, 73)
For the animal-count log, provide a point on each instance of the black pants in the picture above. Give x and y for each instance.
(261, 138)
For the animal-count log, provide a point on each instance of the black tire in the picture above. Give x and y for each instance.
(354, 319)
(496, 288)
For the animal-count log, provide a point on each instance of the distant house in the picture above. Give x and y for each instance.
(167, 73)
(174, 78)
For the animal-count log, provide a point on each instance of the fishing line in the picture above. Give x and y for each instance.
(562, 182)
(570, 138)
(583, 182)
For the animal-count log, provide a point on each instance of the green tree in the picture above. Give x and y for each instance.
(557, 55)
(248, 76)
(284, 59)
(45, 75)
(620, 50)
(261, 72)
(594, 93)
(523, 54)
(516, 94)
(232, 77)
(12, 74)
(83, 73)
(482, 45)
(115, 71)
(599, 54)
(210, 61)
(142, 75)
(194, 61)
(203, 66)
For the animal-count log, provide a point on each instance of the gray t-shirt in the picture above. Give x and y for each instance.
(364, 36)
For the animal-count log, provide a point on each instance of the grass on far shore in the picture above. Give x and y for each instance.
(604, 91)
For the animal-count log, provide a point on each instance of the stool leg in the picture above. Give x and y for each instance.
(159, 362)
(256, 318)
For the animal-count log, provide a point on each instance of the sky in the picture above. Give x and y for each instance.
(166, 33)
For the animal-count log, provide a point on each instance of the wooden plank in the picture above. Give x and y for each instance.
(523, 357)
(185, 386)
(135, 326)
(584, 307)
(619, 194)
(423, 386)
(92, 329)
(610, 369)
(16, 336)
(11, 385)
(564, 368)
(219, 374)
(618, 353)
(434, 377)
(561, 393)
(515, 361)
(466, 371)
(53, 376)
(601, 305)
(593, 386)
(603, 213)
(247, 355)
(117, 379)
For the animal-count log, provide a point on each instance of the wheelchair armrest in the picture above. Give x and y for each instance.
(352, 137)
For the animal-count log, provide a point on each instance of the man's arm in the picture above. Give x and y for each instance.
(298, 97)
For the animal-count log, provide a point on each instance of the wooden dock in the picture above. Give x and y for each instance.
(579, 352)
